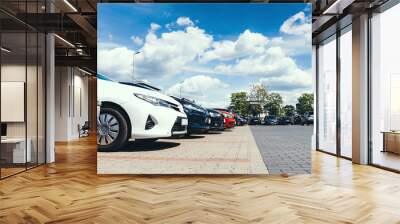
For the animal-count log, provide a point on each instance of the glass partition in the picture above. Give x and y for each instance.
(385, 89)
(327, 95)
(13, 94)
(346, 93)
(22, 101)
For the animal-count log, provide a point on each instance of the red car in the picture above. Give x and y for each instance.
(229, 119)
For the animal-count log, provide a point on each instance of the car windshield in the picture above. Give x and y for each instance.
(193, 106)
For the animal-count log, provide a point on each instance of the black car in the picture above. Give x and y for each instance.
(308, 118)
(217, 120)
(270, 120)
(198, 117)
(240, 121)
(297, 119)
(254, 120)
(284, 120)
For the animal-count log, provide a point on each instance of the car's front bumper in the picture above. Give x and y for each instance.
(230, 123)
(180, 126)
(163, 117)
(198, 128)
(217, 123)
(198, 124)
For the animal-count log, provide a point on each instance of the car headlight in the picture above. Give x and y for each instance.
(153, 100)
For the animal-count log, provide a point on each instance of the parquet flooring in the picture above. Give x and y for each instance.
(70, 191)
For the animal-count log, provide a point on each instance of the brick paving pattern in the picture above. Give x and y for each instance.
(285, 149)
(230, 152)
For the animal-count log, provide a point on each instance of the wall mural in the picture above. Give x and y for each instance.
(204, 88)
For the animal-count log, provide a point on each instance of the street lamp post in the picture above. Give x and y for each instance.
(180, 89)
(133, 65)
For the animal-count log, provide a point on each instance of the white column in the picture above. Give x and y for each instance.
(360, 90)
(50, 98)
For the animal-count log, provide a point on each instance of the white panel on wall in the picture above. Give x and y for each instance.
(12, 101)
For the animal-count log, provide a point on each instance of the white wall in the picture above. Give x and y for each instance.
(71, 102)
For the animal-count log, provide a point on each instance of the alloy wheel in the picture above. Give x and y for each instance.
(107, 129)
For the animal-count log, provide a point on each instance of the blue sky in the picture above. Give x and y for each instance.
(207, 51)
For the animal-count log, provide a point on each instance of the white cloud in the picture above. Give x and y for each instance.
(295, 80)
(154, 27)
(296, 25)
(296, 38)
(204, 90)
(297, 35)
(290, 97)
(195, 85)
(247, 43)
(184, 21)
(187, 49)
(160, 56)
(169, 26)
(137, 40)
(276, 70)
(169, 53)
(273, 62)
(293, 45)
(115, 62)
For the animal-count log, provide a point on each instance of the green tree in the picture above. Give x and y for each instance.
(239, 103)
(305, 103)
(288, 110)
(258, 97)
(274, 104)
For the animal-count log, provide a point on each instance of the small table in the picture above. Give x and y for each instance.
(13, 150)
(391, 141)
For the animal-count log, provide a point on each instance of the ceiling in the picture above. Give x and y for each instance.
(75, 21)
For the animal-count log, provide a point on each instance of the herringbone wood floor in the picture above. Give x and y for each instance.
(70, 191)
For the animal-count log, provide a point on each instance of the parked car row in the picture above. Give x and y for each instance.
(140, 112)
(306, 119)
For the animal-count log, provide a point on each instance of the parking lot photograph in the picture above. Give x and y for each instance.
(197, 89)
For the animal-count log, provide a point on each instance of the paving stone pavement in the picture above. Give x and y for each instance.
(286, 148)
(230, 152)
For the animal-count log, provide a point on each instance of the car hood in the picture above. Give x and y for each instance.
(128, 90)
(147, 92)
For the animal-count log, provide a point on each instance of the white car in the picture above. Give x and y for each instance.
(134, 112)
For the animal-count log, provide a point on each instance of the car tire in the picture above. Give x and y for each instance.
(112, 129)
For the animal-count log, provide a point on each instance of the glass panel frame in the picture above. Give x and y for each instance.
(327, 96)
(26, 57)
(384, 71)
(345, 60)
(13, 76)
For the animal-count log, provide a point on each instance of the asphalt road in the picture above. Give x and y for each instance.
(286, 148)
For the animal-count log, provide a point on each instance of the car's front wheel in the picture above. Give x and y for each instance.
(112, 129)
